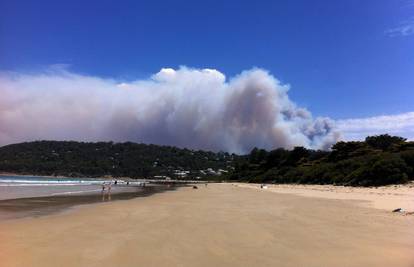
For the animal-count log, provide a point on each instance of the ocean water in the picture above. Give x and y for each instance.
(12, 187)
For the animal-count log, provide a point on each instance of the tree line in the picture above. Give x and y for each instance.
(378, 160)
(82, 159)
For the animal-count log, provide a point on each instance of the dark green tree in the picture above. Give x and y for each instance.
(384, 141)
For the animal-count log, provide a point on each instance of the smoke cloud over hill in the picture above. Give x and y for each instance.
(194, 108)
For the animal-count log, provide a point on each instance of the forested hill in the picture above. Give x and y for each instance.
(379, 160)
(107, 158)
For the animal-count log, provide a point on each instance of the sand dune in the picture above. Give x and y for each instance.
(218, 225)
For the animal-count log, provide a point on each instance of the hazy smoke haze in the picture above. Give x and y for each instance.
(194, 108)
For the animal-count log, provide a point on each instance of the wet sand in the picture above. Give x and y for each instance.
(44, 205)
(218, 225)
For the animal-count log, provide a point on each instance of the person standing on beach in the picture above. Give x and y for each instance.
(103, 191)
(109, 191)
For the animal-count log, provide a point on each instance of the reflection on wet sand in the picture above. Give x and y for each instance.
(38, 206)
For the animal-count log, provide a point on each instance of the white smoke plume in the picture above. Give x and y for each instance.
(194, 108)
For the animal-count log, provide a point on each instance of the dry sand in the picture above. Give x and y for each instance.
(383, 197)
(218, 225)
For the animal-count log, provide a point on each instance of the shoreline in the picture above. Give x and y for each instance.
(387, 198)
(409, 184)
(37, 206)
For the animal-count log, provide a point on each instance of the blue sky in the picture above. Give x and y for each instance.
(343, 59)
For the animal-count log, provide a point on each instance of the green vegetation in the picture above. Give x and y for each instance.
(379, 160)
(106, 158)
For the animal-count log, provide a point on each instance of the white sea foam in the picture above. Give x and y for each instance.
(33, 186)
(45, 181)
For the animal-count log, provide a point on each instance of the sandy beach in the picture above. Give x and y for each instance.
(221, 225)
(384, 197)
